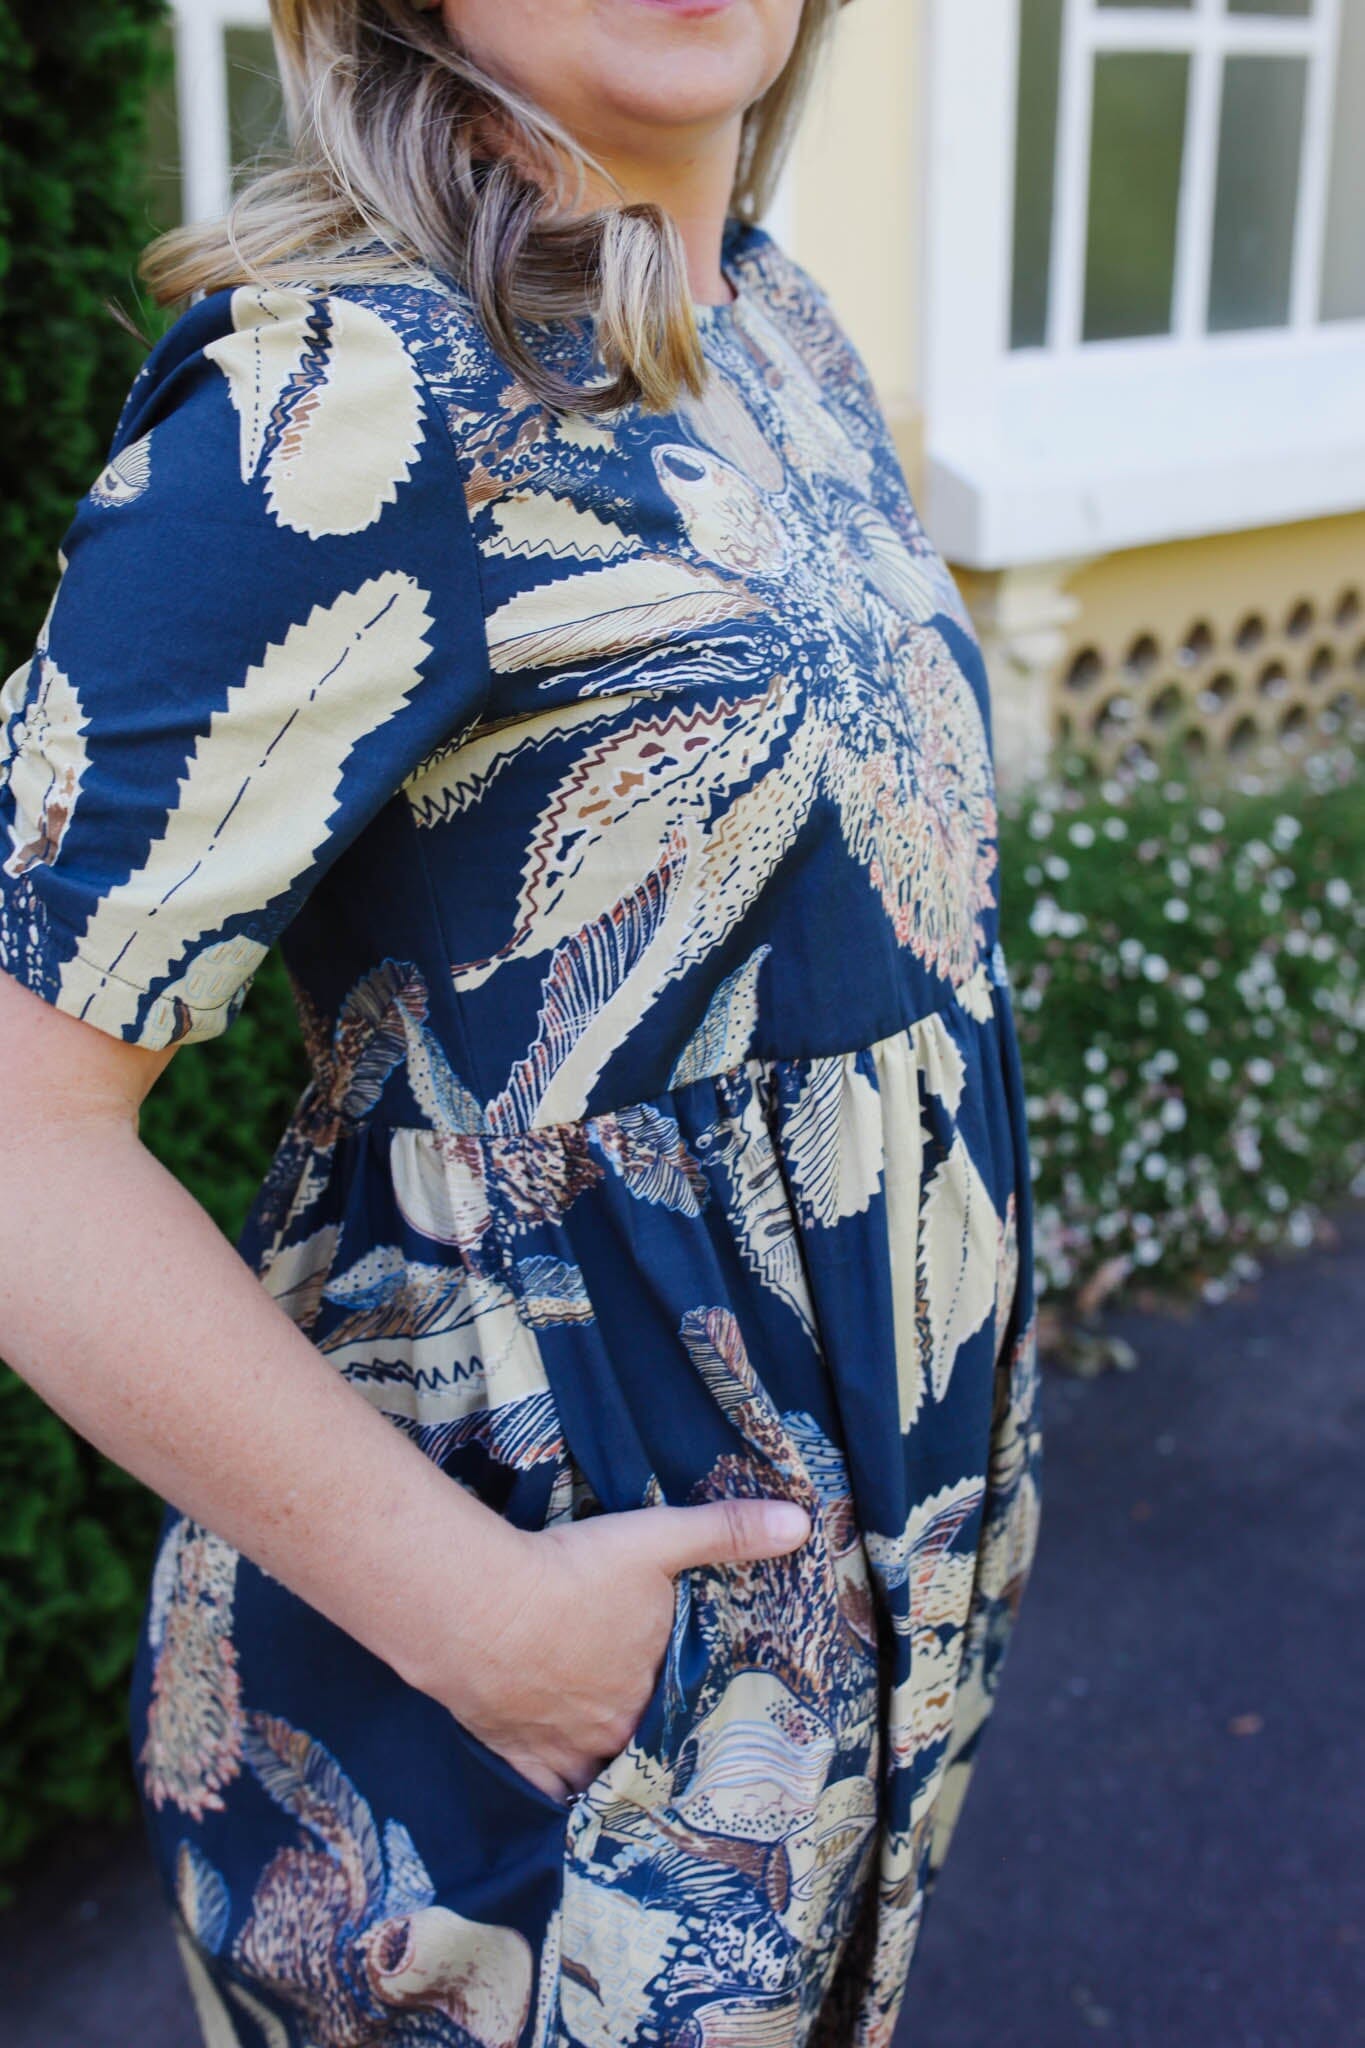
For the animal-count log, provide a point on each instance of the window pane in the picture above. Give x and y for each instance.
(1259, 147)
(1146, 3)
(255, 106)
(1137, 148)
(1035, 151)
(1343, 269)
(1270, 6)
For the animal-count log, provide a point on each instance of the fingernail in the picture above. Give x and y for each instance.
(787, 1522)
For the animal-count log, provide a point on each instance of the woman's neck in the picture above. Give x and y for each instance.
(692, 183)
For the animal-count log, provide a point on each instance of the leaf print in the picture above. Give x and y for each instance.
(201, 1896)
(126, 475)
(599, 983)
(911, 1562)
(296, 1274)
(518, 1434)
(329, 401)
(959, 1233)
(917, 802)
(530, 523)
(319, 1931)
(409, 1886)
(723, 1037)
(441, 1094)
(606, 611)
(44, 762)
(940, 1061)
(372, 1036)
(200, 1928)
(832, 1139)
(192, 1745)
(636, 785)
(897, 1066)
(648, 1151)
(752, 835)
(259, 761)
(460, 772)
(552, 1291)
(756, 1201)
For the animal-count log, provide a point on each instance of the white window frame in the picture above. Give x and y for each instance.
(1077, 448)
(201, 91)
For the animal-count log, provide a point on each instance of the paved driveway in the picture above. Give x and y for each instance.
(1164, 1843)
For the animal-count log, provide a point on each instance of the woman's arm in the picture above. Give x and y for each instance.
(128, 1311)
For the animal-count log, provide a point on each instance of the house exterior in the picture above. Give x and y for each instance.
(1106, 261)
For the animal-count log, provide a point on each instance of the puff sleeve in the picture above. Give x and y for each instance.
(267, 615)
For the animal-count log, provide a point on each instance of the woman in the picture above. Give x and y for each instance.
(502, 593)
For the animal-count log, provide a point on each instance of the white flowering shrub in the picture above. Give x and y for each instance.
(1188, 987)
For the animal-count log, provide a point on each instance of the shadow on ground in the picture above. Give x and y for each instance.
(1163, 1845)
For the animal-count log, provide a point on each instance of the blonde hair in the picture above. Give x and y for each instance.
(396, 134)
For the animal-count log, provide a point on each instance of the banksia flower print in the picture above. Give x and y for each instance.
(619, 793)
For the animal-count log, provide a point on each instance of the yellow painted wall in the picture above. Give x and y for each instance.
(856, 204)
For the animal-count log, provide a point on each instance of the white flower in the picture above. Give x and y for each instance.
(1285, 829)
(1338, 892)
(1057, 866)
(1095, 1098)
(1176, 909)
(1115, 828)
(1155, 967)
(1102, 1123)
(1096, 1059)
(1040, 824)
(1260, 1072)
(1154, 1166)
(1174, 1114)
(1210, 817)
(1197, 1021)
(1219, 1069)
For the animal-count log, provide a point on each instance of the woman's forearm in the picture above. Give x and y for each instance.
(127, 1310)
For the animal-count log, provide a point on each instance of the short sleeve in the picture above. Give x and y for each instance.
(267, 615)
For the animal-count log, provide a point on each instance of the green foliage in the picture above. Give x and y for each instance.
(74, 86)
(1191, 1009)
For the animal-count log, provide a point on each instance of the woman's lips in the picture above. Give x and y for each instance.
(687, 8)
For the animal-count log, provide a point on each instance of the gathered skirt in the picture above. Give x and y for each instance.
(805, 1277)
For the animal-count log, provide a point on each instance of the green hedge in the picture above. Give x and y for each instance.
(76, 80)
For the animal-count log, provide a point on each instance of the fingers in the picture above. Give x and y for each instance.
(726, 1531)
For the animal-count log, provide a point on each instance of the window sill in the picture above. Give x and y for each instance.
(1127, 444)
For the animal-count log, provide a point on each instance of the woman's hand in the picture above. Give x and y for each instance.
(561, 1688)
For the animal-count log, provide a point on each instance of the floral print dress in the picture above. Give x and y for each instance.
(619, 791)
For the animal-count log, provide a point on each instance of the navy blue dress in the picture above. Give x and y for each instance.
(620, 794)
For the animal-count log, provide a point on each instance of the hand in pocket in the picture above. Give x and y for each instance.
(559, 1688)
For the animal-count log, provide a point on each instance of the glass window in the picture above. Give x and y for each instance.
(1035, 161)
(255, 105)
(1343, 265)
(1260, 146)
(1136, 151)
